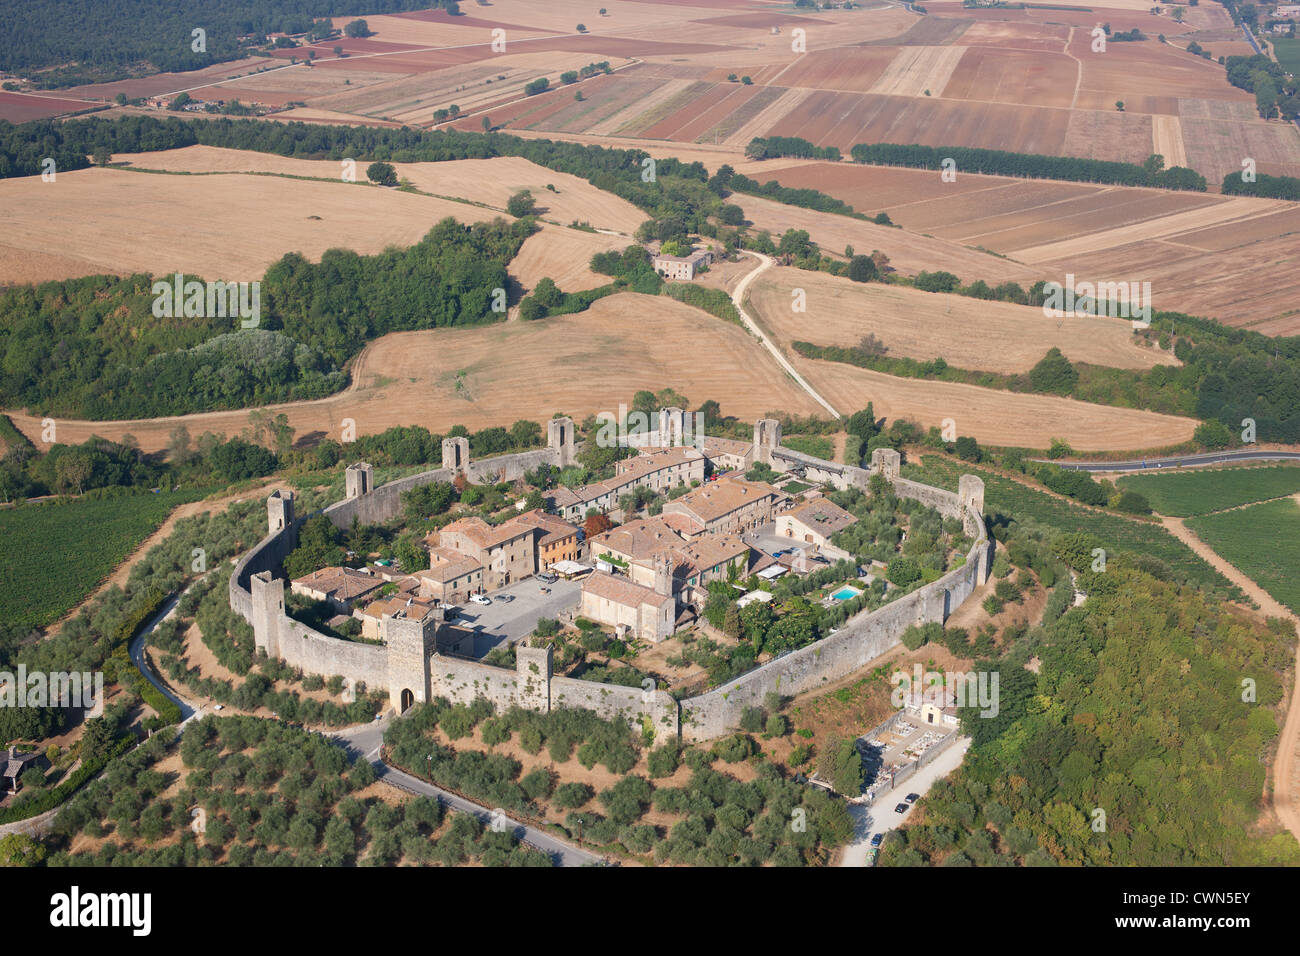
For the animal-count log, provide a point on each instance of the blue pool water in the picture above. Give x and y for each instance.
(846, 593)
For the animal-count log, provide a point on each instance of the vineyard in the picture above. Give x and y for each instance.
(1004, 498)
(1184, 494)
(77, 544)
(1262, 542)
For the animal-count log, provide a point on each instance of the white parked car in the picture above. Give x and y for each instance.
(480, 599)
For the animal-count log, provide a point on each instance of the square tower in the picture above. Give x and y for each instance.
(359, 479)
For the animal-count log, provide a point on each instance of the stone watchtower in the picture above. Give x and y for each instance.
(279, 516)
(534, 667)
(663, 566)
(887, 462)
(767, 435)
(671, 427)
(455, 455)
(560, 438)
(359, 479)
(410, 644)
(267, 592)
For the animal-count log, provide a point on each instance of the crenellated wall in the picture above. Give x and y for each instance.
(410, 663)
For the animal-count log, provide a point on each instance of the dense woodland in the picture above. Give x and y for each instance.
(60, 43)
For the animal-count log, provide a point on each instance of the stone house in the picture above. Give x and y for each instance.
(731, 505)
(813, 521)
(341, 587)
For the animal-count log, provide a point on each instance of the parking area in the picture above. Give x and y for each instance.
(515, 611)
(882, 817)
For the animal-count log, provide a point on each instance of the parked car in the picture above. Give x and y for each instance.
(547, 577)
(912, 798)
(480, 599)
(902, 808)
(877, 839)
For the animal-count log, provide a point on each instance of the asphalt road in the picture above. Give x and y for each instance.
(363, 742)
(1180, 461)
(506, 622)
(880, 817)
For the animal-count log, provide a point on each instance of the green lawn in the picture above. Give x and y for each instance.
(55, 554)
(1262, 542)
(819, 446)
(1288, 54)
(1186, 493)
(1010, 499)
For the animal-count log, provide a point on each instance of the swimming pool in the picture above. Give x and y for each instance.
(846, 593)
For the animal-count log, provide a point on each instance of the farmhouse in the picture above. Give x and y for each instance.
(341, 587)
(813, 522)
(15, 765)
(681, 267)
(729, 504)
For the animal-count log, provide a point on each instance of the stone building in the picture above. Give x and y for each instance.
(728, 505)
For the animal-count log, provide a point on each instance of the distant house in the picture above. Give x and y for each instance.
(682, 267)
(341, 587)
(18, 763)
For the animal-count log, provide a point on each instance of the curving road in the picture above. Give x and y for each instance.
(365, 741)
(1178, 461)
(765, 263)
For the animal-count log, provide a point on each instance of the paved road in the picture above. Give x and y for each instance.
(765, 263)
(506, 622)
(880, 817)
(1180, 461)
(136, 651)
(363, 742)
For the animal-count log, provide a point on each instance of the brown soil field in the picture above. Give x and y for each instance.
(79, 217)
(1164, 71)
(24, 107)
(907, 251)
(574, 364)
(1016, 36)
(968, 333)
(1097, 134)
(918, 68)
(1217, 147)
(1031, 77)
(852, 69)
(995, 417)
(563, 255)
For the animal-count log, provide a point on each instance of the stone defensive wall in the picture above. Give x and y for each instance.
(410, 668)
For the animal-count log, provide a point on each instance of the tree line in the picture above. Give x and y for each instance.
(998, 162)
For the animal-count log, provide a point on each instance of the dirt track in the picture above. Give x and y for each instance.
(1286, 786)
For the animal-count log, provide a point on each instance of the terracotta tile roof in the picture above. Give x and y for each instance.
(341, 584)
(622, 591)
(641, 538)
(448, 565)
(657, 460)
(719, 498)
(821, 514)
(485, 535)
(553, 529)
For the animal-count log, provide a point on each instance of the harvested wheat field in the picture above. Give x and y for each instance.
(995, 417)
(563, 255)
(573, 364)
(494, 181)
(907, 251)
(967, 333)
(248, 221)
